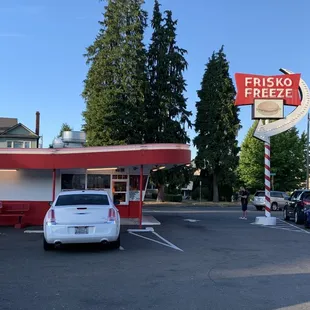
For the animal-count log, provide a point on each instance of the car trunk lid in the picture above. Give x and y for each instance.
(81, 215)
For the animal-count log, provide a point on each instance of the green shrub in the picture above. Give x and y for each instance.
(154, 195)
(173, 198)
(205, 193)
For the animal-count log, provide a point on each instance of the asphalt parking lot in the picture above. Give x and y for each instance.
(209, 260)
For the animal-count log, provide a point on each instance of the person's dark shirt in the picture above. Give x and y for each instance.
(244, 193)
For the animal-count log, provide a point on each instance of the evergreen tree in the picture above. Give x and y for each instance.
(167, 116)
(288, 160)
(116, 83)
(217, 123)
(64, 127)
(166, 107)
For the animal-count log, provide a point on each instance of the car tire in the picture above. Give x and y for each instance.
(259, 208)
(274, 206)
(297, 218)
(285, 216)
(116, 244)
(47, 246)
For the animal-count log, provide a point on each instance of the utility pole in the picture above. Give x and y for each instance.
(200, 182)
(307, 181)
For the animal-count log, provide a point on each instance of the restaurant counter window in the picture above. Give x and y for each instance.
(72, 181)
(98, 181)
(134, 182)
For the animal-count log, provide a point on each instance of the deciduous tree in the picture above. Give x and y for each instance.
(288, 160)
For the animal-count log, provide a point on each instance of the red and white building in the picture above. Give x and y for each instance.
(35, 176)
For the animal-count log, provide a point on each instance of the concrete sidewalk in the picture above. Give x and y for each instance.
(189, 203)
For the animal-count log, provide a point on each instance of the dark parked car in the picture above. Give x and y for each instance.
(296, 207)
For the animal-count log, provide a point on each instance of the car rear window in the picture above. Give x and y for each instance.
(82, 199)
(260, 194)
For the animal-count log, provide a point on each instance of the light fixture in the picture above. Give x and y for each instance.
(155, 169)
(162, 167)
(11, 170)
(188, 165)
(100, 169)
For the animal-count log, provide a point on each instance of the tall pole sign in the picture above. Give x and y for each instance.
(268, 95)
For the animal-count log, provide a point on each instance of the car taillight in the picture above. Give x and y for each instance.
(305, 203)
(112, 215)
(51, 217)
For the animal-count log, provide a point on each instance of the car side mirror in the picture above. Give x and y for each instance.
(50, 203)
(116, 202)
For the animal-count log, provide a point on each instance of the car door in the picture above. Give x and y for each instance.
(292, 202)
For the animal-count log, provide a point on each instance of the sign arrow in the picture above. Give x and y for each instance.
(265, 131)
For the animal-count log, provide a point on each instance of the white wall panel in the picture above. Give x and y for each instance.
(26, 185)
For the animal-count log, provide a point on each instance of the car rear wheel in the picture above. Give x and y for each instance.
(298, 218)
(274, 206)
(47, 246)
(259, 208)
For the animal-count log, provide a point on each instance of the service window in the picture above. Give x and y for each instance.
(72, 181)
(98, 181)
(134, 182)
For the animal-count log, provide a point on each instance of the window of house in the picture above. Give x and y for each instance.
(98, 181)
(18, 144)
(72, 181)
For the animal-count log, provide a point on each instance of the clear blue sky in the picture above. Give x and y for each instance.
(42, 43)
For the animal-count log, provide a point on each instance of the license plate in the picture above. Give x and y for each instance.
(81, 230)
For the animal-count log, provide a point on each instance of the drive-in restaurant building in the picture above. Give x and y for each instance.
(31, 178)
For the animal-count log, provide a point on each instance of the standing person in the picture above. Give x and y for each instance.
(244, 195)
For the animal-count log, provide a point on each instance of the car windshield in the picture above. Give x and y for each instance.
(82, 199)
(260, 194)
(296, 194)
(306, 197)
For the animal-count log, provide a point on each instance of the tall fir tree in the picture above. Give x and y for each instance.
(217, 123)
(166, 107)
(116, 82)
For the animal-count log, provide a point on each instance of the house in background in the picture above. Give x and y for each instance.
(17, 135)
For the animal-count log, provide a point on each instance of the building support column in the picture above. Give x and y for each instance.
(141, 196)
(54, 184)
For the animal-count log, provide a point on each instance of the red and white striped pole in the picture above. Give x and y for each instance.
(267, 179)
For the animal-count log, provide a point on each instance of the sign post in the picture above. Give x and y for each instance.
(267, 180)
(268, 95)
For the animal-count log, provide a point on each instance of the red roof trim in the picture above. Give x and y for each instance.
(94, 157)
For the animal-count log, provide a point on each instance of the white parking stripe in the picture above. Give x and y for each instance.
(302, 229)
(172, 245)
(167, 243)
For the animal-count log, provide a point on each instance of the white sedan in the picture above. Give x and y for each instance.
(82, 217)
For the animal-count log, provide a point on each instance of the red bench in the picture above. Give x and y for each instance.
(17, 210)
